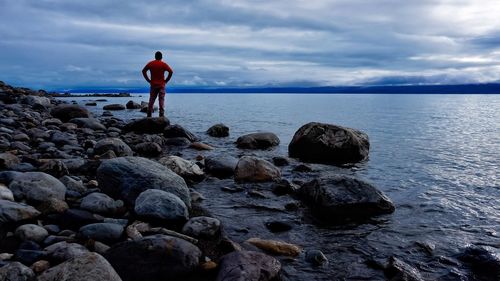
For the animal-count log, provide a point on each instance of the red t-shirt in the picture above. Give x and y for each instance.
(157, 69)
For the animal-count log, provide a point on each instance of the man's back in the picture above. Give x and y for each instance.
(157, 69)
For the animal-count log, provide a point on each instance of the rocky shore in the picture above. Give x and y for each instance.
(87, 197)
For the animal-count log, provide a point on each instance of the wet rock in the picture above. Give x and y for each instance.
(398, 270)
(154, 257)
(15, 212)
(91, 104)
(114, 144)
(262, 140)
(114, 107)
(5, 193)
(276, 247)
(87, 267)
(104, 232)
(253, 169)
(162, 205)
(16, 271)
(221, 166)
(177, 142)
(200, 146)
(127, 177)
(302, 168)
(484, 261)
(330, 144)
(54, 167)
(8, 161)
(36, 186)
(107, 113)
(218, 131)
(248, 266)
(205, 227)
(101, 203)
(151, 125)
(177, 131)
(63, 251)
(340, 198)
(148, 149)
(90, 123)
(132, 105)
(67, 112)
(284, 187)
(281, 161)
(184, 168)
(31, 232)
(316, 257)
(278, 226)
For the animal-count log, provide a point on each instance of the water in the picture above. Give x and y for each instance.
(436, 156)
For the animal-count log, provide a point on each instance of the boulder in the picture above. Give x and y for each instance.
(176, 131)
(16, 271)
(63, 251)
(87, 267)
(15, 212)
(114, 144)
(148, 149)
(221, 166)
(90, 123)
(184, 168)
(37, 100)
(8, 161)
(253, 169)
(53, 167)
(149, 125)
(330, 144)
(484, 261)
(204, 227)
(276, 247)
(132, 105)
(31, 232)
(248, 266)
(114, 107)
(340, 198)
(160, 205)
(101, 203)
(63, 138)
(66, 112)
(127, 177)
(218, 131)
(263, 140)
(154, 258)
(103, 232)
(36, 186)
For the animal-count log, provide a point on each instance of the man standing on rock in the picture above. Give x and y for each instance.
(157, 82)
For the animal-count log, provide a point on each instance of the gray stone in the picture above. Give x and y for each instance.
(148, 149)
(104, 232)
(16, 271)
(221, 166)
(114, 107)
(253, 169)
(218, 131)
(62, 138)
(151, 125)
(184, 168)
(397, 270)
(114, 144)
(68, 112)
(14, 212)
(31, 232)
(5, 193)
(32, 100)
(177, 131)
(159, 204)
(36, 186)
(206, 227)
(100, 203)
(21, 137)
(90, 123)
(63, 251)
(127, 177)
(73, 184)
(248, 266)
(263, 140)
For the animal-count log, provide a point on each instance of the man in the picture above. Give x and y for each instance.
(157, 82)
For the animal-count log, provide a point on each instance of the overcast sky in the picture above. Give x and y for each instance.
(59, 44)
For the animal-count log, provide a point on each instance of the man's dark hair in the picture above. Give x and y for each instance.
(158, 55)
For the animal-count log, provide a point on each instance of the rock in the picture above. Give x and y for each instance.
(176, 131)
(218, 131)
(76, 218)
(63, 138)
(21, 137)
(278, 226)
(36, 186)
(149, 125)
(153, 258)
(330, 144)
(340, 198)
(91, 104)
(301, 168)
(148, 149)
(316, 258)
(28, 257)
(73, 184)
(248, 266)
(104, 232)
(65, 112)
(16, 271)
(132, 105)
(127, 177)
(114, 144)
(31, 232)
(101, 203)
(484, 261)
(87, 267)
(159, 204)
(398, 270)
(262, 140)
(5, 193)
(53, 205)
(200, 146)
(114, 107)
(37, 100)
(177, 141)
(54, 167)
(221, 166)
(276, 247)
(63, 251)
(107, 113)
(253, 169)
(184, 168)
(205, 227)
(281, 161)
(40, 266)
(8, 161)
(284, 187)
(15, 212)
(90, 123)
(53, 122)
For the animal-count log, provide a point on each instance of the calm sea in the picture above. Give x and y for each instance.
(436, 156)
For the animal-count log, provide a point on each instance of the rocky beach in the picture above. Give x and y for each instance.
(86, 197)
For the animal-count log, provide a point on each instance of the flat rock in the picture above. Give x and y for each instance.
(127, 177)
(148, 125)
(67, 112)
(248, 266)
(262, 140)
(159, 204)
(114, 144)
(275, 247)
(15, 212)
(253, 169)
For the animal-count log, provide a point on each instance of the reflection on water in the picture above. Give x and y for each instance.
(436, 156)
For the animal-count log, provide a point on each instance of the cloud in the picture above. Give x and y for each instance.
(105, 43)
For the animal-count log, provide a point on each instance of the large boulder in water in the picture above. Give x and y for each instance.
(66, 112)
(248, 266)
(342, 198)
(148, 125)
(218, 131)
(253, 169)
(261, 140)
(127, 177)
(132, 105)
(221, 166)
(177, 131)
(157, 257)
(115, 144)
(330, 144)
